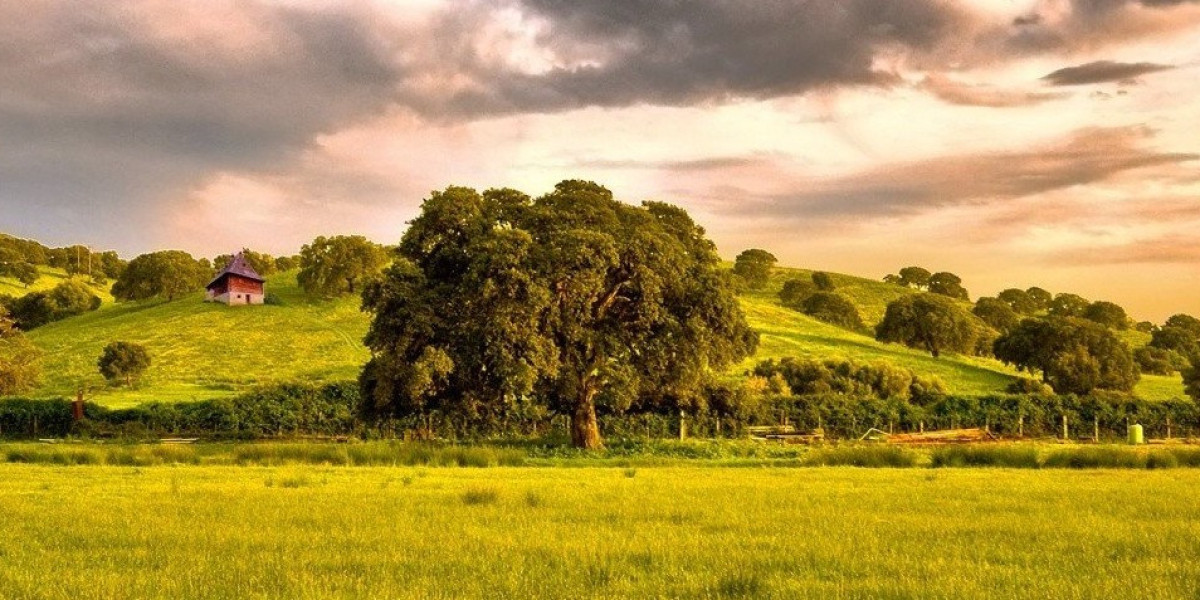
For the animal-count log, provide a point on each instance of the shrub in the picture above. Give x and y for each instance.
(1095, 458)
(124, 361)
(861, 456)
(1016, 457)
(833, 309)
(481, 495)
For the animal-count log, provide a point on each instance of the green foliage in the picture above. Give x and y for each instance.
(123, 361)
(932, 322)
(1068, 305)
(1006, 456)
(339, 265)
(914, 277)
(834, 309)
(1191, 379)
(1176, 339)
(948, 284)
(1107, 314)
(861, 456)
(1019, 301)
(165, 274)
(1073, 355)
(1157, 361)
(1024, 385)
(861, 380)
(823, 281)
(570, 301)
(20, 360)
(754, 266)
(997, 313)
(796, 291)
(262, 263)
(1041, 298)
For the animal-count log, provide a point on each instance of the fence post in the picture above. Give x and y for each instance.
(1021, 425)
(1065, 433)
(682, 425)
(1168, 428)
(1096, 429)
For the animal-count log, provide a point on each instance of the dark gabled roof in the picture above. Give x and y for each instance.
(238, 266)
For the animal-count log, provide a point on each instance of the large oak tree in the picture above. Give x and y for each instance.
(571, 301)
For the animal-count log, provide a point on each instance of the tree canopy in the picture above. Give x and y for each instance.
(823, 281)
(915, 277)
(834, 309)
(931, 322)
(339, 265)
(948, 284)
(571, 302)
(997, 313)
(20, 360)
(1068, 305)
(123, 361)
(1108, 314)
(1073, 355)
(1019, 301)
(164, 274)
(796, 291)
(754, 266)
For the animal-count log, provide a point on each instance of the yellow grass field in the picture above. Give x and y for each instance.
(537, 532)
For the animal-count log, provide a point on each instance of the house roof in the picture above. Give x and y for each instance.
(238, 266)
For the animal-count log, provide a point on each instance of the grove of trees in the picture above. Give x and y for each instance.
(20, 360)
(339, 265)
(1073, 355)
(571, 303)
(934, 323)
(164, 274)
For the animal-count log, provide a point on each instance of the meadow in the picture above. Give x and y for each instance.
(303, 531)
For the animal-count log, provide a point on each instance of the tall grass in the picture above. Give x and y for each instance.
(995, 455)
(377, 454)
(861, 456)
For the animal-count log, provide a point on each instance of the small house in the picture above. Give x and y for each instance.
(237, 283)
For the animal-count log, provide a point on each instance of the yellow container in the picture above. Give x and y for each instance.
(1136, 435)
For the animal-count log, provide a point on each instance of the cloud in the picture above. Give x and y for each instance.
(1168, 249)
(1101, 72)
(108, 111)
(903, 189)
(953, 92)
(1079, 26)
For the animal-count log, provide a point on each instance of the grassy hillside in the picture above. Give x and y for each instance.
(786, 332)
(49, 279)
(204, 350)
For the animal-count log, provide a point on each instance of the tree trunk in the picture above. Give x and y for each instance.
(585, 430)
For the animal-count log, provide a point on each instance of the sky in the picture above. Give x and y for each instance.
(1014, 142)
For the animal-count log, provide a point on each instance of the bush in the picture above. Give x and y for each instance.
(861, 456)
(1016, 457)
(833, 309)
(1095, 458)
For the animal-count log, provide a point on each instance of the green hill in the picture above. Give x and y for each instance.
(49, 278)
(202, 350)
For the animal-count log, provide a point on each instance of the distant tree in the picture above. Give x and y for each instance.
(834, 309)
(893, 279)
(948, 284)
(1191, 379)
(573, 301)
(124, 361)
(79, 260)
(284, 264)
(1185, 322)
(931, 322)
(997, 313)
(1040, 297)
(915, 277)
(263, 264)
(164, 274)
(32, 310)
(1068, 305)
(1157, 361)
(110, 264)
(1019, 301)
(754, 266)
(20, 360)
(71, 298)
(1176, 339)
(26, 273)
(339, 265)
(796, 291)
(823, 281)
(1145, 327)
(1074, 356)
(1108, 314)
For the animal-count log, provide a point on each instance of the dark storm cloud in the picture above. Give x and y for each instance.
(1101, 72)
(1087, 25)
(106, 108)
(683, 53)
(910, 188)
